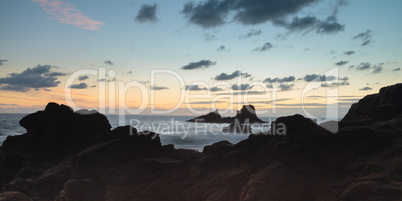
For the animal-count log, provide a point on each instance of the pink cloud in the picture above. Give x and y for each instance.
(66, 13)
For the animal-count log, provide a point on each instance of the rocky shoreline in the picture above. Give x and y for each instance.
(75, 156)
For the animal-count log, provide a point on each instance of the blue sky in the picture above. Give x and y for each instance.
(276, 39)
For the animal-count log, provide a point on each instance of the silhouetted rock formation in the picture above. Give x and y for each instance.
(238, 128)
(296, 160)
(245, 115)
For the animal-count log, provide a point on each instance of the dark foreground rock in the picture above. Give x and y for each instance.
(302, 162)
(244, 116)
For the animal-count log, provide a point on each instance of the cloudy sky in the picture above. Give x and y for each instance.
(162, 55)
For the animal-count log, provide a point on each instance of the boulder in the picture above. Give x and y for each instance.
(13, 196)
(212, 117)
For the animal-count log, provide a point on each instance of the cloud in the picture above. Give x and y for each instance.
(284, 79)
(108, 62)
(378, 68)
(318, 78)
(215, 89)
(396, 69)
(341, 63)
(66, 13)
(265, 47)
(285, 87)
(32, 78)
(147, 13)
(157, 88)
(366, 89)
(310, 23)
(363, 66)
(83, 77)
(106, 80)
(221, 48)
(212, 13)
(78, 86)
(4, 104)
(2, 61)
(194, 88)
(335, 84)
(56, 74)
(241, 87)
(251, 33)
(238, 73)
(365, 36)
(198, 65)
(349, 52)
(209, 37)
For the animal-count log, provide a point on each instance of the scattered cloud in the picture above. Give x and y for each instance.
(251, 33)
(349, 52)
(194, 88)
(265, 47)
(83, 77)
(341, 63)
(396, 69)
(238, 73)
(378, 68)
(2, 61)
(285, 87)
(147, 13)
(318, 78)
(198, 65)
(310, 23)
(66, 13)
(241, 87)
(209, 37)
(32, 78)
(158, 88)
(4, 104)
(221, 49)
(284, 79)
(215, 89)
(108, 62)
(366, 89)
(363, 66)
(335, 84)
(56, 74)
(365, 36)
(78, 86)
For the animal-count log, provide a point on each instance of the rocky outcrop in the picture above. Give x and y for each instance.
(13, 196)
(246, 115)
(296, 160)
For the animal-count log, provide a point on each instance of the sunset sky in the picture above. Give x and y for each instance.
(168, 56)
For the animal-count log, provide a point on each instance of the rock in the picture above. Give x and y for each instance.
(296, 125)
(247, 115)
(332, 126)
(124, 131)
(212, 117)
(385, 105)
(237, 128)
(217, 148)
(13, 196)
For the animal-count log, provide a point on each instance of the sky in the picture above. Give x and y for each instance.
(313, 57)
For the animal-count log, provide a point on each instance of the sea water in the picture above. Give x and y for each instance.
(171, 129)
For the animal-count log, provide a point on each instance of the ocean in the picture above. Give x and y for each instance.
(172, 129)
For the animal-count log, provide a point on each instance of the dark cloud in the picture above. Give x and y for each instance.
(147, 13)
(365, 36)
(194, 88)
(2, 61)
(341, 63)
(83, 77)
(265, 47)
(130, 72)
(335, 84)
(215, 89)
(198, 65)
(252, 33)
(224, 76)
(349, 52)
(241, 87)
(78, 86)
(285, 79)
(318, 78)
(363, 66)
(109, 62)
(106, 80)
(32, 78)
(221, 48)
(212, 13)
(310, 23)
(378, 68)
(396, 69)
(344, 79)
(285, 87)
(157, 88)
(366, 89)
(56, 74)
